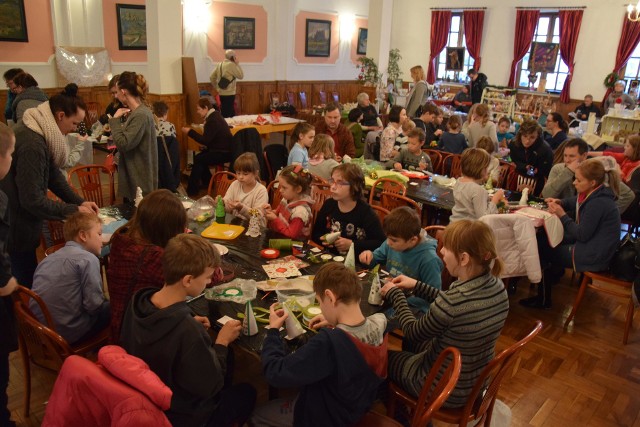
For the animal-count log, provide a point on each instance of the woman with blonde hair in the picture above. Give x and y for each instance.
(133, 130)
(420, 92)
(481, 126)
(322, 156)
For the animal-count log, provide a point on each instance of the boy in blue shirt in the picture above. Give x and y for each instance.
(408, 250)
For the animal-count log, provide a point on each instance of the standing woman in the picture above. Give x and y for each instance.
(134, 133)
(41, 150)
(419, 93)
(217, 141)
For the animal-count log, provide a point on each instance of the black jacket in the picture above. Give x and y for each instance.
(248, 141)
(477, 86)
(8, 333)
(168, 166)
(539, 156)
(216, 135)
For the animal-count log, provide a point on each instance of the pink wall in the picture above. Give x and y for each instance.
(40, 33)
(215, 46)
(111, 34)
(301, 27)
(359, 23)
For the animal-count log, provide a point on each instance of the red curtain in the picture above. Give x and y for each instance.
(440, 25)
(473, 24)
(628, 41)
(526, 21)
(570, 21)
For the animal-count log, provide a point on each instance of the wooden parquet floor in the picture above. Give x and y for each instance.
(582, 376)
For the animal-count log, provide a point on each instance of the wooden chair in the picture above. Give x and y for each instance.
(318, 180)
(617, 287)
(274, 194)
(303, 100)
(451, 166)
(391, 201)
(319, 193)
(54, 227)
(91, 185)
(517, 182)
(222, 181)
(436, 158)
(322, 95)
(40, 343)
(386, 184)
(434, 391)
(374, 419)
(336, 97)
(437, 232)
(54, 248)
(506, 170)
(291, 98)
(275, 99)
(381, 212)
(92, 114)
(483, 395)
(276, 157)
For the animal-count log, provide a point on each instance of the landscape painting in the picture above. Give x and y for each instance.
(13, 24)
(318, 38)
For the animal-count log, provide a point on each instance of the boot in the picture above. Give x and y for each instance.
(542, 300)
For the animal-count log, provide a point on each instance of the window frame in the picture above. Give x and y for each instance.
(629, 77)
(441, 58)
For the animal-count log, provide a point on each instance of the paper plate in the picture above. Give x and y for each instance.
(222, 250)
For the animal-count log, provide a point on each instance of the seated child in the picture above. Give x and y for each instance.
(70, 282)
(428, 114)
(160, 329)
(163, 127)
(338, 370)
(322, 158)
(246, 192)
(354, 119)
(408, 249)
(301, 139)
(293, 216)
(493, 170)
(504, 136)
(347, 212)
(471, 199)
(452, 141)
(406, 127)
(412, 157)
(436, 125)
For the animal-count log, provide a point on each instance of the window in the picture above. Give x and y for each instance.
(547, 31)
(456, 39)
(631, 72)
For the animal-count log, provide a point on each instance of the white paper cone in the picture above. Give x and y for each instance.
(331, 237)
(525, 197)
(350, 260)
(375, 297)
(292, 324)
(249, 324)
(138, 198)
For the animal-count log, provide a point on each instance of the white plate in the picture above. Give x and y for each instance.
(223, 250)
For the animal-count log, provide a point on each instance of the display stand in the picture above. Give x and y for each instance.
(501, 101)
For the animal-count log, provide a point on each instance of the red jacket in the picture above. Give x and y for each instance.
(119, 391)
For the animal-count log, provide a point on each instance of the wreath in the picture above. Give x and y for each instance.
(610, 80)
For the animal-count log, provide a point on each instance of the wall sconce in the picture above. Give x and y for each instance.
(633, 12)
(347, 27)
(196, 15)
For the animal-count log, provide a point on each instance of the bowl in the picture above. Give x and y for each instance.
(298, 293)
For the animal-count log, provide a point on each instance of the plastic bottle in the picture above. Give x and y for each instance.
(220, 212)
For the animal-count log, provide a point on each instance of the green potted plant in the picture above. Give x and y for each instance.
(369, 74)
(393, 71)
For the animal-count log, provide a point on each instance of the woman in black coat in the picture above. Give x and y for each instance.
(531, 155)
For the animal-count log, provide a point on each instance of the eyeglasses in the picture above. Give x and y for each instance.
(332, 182)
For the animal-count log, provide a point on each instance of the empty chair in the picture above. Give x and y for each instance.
(219, 184)
(275, 157)
(436, 158)
(322, 95)
(90, 179)
(451, 166)
(274, 98)
(291, 98)
(303, 100)
(336, 97)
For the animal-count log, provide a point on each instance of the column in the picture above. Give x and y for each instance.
(164, 47)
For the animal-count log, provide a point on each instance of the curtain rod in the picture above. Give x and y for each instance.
(458, 8)
(552, 8)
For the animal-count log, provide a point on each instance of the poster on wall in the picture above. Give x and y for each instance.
(543, 57)
(13, 24)
(362, 41)
(317, 38)
(455, 59)
(239, 33)
(132, 27)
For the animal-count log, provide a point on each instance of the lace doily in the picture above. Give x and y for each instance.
(83, 69)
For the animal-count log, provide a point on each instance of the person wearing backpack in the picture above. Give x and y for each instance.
(224, 78)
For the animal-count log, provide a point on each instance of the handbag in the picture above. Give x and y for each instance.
(224, 82)
(110, 162)
(624, 264)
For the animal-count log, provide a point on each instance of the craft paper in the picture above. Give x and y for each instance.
(331, 237)
(249, 324)
(350, 261)
(285, 269)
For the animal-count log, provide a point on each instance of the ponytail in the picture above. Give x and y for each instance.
(476, 239)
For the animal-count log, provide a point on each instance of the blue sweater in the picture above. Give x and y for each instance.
(596, 231)
(452, 143)
(420, 262)
(299, 155)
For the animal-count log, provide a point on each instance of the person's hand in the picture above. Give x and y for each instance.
(342, 244)
(438, 132)
(550, 200)
(386, 288)
(9, 288)
(269, 214)
(318, 322)
(497, 197)
(422, 165)
(394, 153)
(185, 129)
(203, 320)
(366, 257)
(229, 332)
(277, 316)
(121, 112)
(556, 209)
(404, 282)
(583, 117)
(233, 204)
(573, 165)
(89, 207)
(397, 166)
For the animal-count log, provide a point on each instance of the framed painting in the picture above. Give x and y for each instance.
(455, 59)
(132, 27)
(543, 57)
(13, 23)
(239, 33)
(317, 38)
(362, 41)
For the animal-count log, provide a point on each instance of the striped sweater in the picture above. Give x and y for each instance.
(469, 316)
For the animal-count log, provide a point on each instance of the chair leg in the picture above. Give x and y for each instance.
(628, 322)
(583, 287)
(26, 365)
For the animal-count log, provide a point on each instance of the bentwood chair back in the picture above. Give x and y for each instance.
(391, 201)
(386, 184)
(221, 181)
(434, 391)
(274, 194)
(90, 178)
(451, 166)
(322, 95)
(506, 170)
(92, 114)
(303, 100)
(40, 343)
(275, 157)
(319, 193)
(381, 212)
(436, 158)
(485, 391)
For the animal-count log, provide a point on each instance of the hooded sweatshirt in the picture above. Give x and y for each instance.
(420, 262)
(177, 349)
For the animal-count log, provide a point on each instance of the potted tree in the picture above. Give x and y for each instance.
(369, 74)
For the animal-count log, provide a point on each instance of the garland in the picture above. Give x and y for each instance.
(610, 80)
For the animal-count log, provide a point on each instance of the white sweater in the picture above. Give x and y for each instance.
(255, 198)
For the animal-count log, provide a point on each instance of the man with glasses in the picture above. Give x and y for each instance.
(11, 94)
